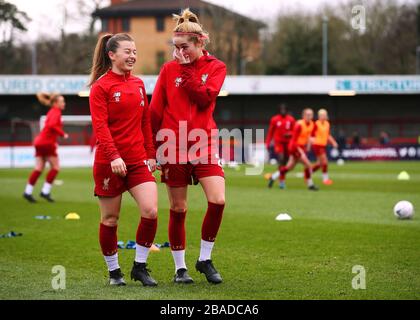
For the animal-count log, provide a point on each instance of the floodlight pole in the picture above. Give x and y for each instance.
(418, 60)
(324, 45)
(34, 59)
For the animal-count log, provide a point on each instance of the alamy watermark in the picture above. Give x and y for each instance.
(359, 280)
(358, 20)
(58, 281)
(198, 146)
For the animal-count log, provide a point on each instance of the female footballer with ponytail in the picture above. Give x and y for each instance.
(46, 146)
(125, 155)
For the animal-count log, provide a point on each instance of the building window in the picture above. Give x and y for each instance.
(160, 59)
(105, 25)
(160, 24)
(126, 24)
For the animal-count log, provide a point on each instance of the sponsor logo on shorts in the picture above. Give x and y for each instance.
(106, 184)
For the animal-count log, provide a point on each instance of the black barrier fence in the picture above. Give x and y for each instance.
(377, 153)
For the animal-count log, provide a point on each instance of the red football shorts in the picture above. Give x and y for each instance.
(108, 184)
(181, 175)
(281, 148)
(46, 150)
(319, 150)
(296, 151)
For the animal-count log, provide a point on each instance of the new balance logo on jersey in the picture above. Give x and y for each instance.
(178, 81)
(204, 78)
(106, 184)
(278, 123)
(117, 96)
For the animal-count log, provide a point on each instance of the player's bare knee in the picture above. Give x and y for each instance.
(219, 200)
(110, 220)
(180, 206)
(150, 213)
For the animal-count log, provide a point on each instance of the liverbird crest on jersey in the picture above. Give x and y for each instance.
(178, 81)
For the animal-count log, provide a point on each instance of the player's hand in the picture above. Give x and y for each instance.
(335, 145)
(178, 55)
(152, 165)
(118, 167)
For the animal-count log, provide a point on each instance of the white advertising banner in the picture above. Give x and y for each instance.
(255, 85)
(24, 157)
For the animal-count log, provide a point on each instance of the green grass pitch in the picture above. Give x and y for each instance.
(311, 257)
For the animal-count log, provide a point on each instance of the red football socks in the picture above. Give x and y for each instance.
(51, 176)
(176, 230)
(212, 221)
(108, 239)
(33, 178)
(146, 232)
(316, 167)
(308, 174)
(283, 171)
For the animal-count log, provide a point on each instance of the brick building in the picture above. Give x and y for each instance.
(235, 39)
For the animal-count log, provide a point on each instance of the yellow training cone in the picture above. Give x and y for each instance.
(153, 248)
(403, 176)
(72, 216)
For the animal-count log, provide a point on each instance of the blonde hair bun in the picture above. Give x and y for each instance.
(186, 16)
(47, 99)
(189, 23)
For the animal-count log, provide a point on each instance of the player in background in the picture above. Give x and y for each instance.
(46, 146)
(280, 129)
(299, 145)
(125, 155)
(321, 138)
(186, 93)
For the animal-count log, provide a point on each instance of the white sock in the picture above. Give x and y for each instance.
(205, 250)
(325, 176)
(46, 188)
(141, 253)
(275, 175)
(29, 189)
(310, 182)
(112, 262)
(179, 259)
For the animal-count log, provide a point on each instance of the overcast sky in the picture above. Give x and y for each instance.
(47, 15)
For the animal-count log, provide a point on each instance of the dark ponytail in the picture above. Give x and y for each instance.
(101, 62)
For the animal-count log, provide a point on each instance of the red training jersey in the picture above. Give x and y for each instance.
(188, 92)
(53, 128)
(281, 129)
(121, 119)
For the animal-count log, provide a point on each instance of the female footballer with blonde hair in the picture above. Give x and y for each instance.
(321, 138)
(185, 95)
